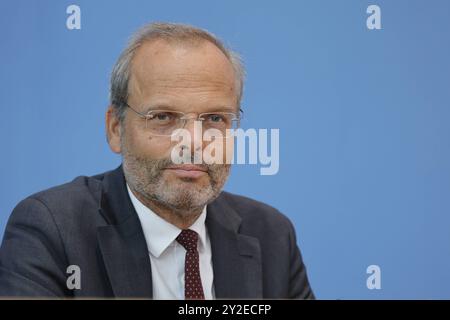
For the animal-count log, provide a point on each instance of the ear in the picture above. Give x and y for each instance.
(113, 129)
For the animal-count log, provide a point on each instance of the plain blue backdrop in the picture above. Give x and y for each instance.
(363, 118)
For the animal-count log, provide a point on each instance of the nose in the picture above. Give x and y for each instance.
(195, 130)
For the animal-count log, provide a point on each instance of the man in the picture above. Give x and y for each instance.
(154, 228)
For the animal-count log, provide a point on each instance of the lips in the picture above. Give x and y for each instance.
(188, 170)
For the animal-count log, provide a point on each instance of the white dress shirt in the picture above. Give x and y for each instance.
(167, 255)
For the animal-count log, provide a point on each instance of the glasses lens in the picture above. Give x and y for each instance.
(219, 121)
(164, 122)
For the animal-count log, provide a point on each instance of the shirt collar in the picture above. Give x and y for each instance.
(160, 234)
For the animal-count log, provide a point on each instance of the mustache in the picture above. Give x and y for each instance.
(161, 164)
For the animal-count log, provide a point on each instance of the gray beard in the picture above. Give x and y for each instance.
(145, 176)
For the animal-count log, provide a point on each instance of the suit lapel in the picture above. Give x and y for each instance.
(122, 243)
(236, 257)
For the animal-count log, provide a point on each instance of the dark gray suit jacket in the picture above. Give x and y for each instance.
(91, 222)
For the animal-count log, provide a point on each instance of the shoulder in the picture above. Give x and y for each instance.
(78, 188)
(77, 191)
(256, 214)
(78, 195)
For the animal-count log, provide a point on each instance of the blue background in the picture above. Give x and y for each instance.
(363, 117)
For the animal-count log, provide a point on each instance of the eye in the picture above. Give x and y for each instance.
(215, 118)
(161, 116)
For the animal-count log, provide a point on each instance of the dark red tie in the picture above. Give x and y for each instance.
(192, 282)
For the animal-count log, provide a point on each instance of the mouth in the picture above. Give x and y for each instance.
(188, 171)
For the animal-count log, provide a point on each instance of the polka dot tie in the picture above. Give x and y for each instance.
(192, 282)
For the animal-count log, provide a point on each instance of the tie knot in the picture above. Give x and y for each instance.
(188, 239)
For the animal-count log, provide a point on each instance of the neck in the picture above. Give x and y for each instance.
(181, 219)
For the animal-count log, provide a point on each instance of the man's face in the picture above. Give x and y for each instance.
(187, 78)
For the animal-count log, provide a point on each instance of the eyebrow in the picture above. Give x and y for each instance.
(224, 108)
(158, 107)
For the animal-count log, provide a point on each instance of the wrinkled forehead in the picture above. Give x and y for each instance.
(159, 66)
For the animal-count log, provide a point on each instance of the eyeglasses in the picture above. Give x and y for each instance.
(165, 122)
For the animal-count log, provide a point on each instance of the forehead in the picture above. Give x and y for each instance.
(160, 68)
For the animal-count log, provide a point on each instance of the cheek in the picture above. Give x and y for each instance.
(228, 150)
(224, 148)
(142, 144)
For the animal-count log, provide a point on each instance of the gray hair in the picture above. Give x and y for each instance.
(120, 75)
